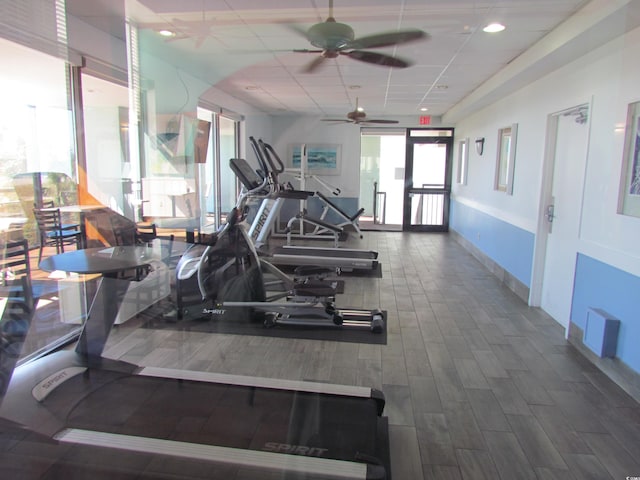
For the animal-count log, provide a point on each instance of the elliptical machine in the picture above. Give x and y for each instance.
(234, 280)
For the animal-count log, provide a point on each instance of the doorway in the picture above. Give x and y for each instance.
(405, 179)
(382, 162)
(561, 211)
(427, 180)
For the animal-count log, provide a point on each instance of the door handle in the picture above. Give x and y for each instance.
(549, 214)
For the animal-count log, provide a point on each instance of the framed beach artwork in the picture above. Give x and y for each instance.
(629, 198)
(322, 158)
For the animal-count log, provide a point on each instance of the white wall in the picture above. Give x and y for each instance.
(288, 131)
(97, 44)
(608, 79)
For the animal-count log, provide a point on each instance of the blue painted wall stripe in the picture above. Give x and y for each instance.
(509, 246)
(615, 291)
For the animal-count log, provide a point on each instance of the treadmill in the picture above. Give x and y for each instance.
(341, 259)
(76, 414)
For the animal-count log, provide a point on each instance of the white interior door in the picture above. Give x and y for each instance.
(563, 212)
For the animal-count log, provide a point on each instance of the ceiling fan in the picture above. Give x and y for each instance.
(358, 117)
(198, 30)
(333, 38)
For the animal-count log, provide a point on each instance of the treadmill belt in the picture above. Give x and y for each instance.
(326, 252)
(327, 426)
(65, 418)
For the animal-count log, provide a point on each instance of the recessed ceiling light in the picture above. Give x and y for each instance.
(252, 87)
(166, 33)
(424, 109)
(494, 28)
(354, 87)
(441, 86)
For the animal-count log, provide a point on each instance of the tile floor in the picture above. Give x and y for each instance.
(478, 385)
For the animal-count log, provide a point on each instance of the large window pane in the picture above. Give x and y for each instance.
(228, 150)
(113, 179)
(172, 190)
(35, 131)
(37, 163)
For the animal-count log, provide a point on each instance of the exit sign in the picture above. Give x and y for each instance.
(425, 120)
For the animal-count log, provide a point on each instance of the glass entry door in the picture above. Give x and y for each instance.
(428, 180)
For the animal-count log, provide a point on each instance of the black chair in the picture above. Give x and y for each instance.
(19, 305)
(14, 259)
(146, 233)
(65, 224)
(15, 264)
(53, 232)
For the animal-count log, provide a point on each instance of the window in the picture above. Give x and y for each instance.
(505, 160)
(36, 135)
(463, 161)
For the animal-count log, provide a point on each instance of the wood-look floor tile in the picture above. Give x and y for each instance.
(441, 472)
(458, 347)
(470, 373)
(417, 363)
(463, 428)
(537, 446)
(405, 453)
(510, 460)
(478, 384)
(508, 357)
(449, 387)
(412, 339)
(475, 340)
(492, 335)
(615, 459)
(398, 407)
(580, 414)
(394, 371)
(487, 411)
(531, 388)
(430, 331)
(424, 395)
(476, 465)
(566, 367)
(369, 373)
(544, 473)
(586, 467)
(508, 396)
(559, 430)
(439, 357)
(616, 396)
(489, 364)
(433, 453)
(625, 428)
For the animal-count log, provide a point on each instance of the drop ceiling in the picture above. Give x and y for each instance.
(243, 47)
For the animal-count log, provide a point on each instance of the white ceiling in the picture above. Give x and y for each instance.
(243, 48)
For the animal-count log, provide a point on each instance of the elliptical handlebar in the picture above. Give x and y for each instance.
(259, 156)
(269, 152)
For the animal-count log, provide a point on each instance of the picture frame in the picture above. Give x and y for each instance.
(629, 196)
(463, 161)
(506, 159)
(322, 158)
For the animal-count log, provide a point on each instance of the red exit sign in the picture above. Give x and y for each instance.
(425, 120)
